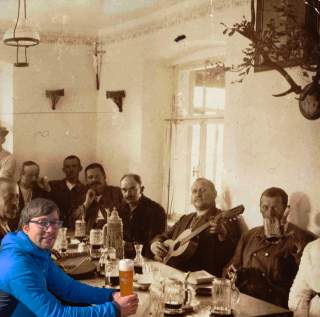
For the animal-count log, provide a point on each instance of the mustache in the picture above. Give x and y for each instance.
(95, 183)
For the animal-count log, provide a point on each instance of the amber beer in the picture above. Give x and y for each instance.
(126, 268)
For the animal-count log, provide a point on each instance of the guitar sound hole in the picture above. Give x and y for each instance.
(177, 246)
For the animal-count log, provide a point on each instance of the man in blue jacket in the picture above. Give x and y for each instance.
(29, 279)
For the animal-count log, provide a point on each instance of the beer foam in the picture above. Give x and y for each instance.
(126, 265)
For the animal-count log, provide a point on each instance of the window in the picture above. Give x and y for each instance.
(196, 133)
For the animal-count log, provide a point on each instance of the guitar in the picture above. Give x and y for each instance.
(183, 247)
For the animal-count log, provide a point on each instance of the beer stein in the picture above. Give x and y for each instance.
(224, 296)
(177, 296)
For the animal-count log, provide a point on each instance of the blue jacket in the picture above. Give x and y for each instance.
(29, 277)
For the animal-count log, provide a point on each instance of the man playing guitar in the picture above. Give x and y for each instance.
(209, 250)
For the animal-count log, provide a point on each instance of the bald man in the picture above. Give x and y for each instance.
(214, 246)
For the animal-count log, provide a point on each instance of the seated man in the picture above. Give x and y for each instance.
(213, 248)
(267, 257)
(8, 204)
(29, 277)
(98, 198)
(30, 186)
(7, 161)
(142, 217)
(68, 193)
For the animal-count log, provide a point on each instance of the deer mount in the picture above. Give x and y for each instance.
(267, 47)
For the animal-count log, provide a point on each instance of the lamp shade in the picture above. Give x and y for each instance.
(23, 36)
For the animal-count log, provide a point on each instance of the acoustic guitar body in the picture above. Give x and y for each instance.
(180, 252)
(183, 248)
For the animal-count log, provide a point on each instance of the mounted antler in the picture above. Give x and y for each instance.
(294, 87)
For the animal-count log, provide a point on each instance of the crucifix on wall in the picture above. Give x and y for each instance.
(97, 61)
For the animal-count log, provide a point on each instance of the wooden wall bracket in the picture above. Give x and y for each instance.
(54, 95)
(117, 97)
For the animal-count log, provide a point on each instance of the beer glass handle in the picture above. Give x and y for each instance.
(187, 297)
(235, 295)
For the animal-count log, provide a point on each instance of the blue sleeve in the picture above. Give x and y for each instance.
(71, 290)
(29, 287)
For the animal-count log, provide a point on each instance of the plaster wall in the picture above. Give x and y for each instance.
(135, 140)
(269, 143)
(6, 101)
(40, 133)
(132, 141)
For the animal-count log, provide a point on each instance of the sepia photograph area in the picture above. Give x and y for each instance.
(159, 157)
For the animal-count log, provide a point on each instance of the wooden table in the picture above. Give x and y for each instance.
(247, 307)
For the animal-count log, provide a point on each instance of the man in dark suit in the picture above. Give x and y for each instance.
(8, 204)
(142, 217)
(31, 186)
(98, 199)
(68, 193)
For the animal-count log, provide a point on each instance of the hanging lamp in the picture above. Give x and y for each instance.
(22, 35)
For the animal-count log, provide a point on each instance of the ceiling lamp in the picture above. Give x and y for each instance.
(22, 35)
(211, 9)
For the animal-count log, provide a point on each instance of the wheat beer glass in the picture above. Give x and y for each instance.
(126, 269)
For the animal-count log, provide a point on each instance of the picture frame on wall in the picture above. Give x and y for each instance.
(294, 29)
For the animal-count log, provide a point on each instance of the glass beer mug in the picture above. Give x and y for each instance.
(111, 267)
(63, 241)
(176, 296)
(224, 296)
(156, 303)
(272, 228)
(95, 243)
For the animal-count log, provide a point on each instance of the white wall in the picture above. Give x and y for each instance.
(132, 141)
(6, 101)
(269, 143)
(40, 133)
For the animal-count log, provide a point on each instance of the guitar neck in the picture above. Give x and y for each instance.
(195, 232)
(224, 214)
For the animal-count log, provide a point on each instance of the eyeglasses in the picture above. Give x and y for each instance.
(46, 223)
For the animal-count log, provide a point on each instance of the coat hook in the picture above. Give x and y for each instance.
(54, 95)
(117, 97)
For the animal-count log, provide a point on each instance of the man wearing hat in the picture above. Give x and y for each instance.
(7, 161)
